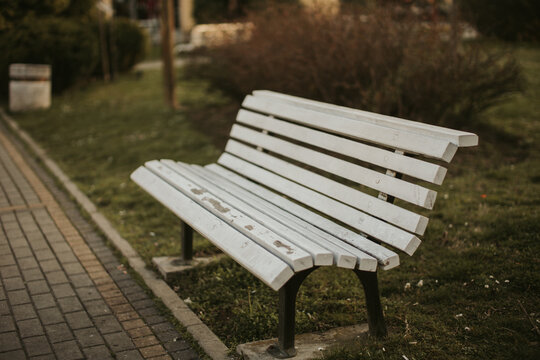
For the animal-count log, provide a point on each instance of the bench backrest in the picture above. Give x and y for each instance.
(344, 163)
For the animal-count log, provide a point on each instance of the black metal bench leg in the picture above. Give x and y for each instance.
(377, 326)
(287, 311)
(187, 241)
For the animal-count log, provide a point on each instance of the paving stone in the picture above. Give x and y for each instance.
(78, 320)
(6, 259)
(131, 315)
(3, 295)
(152, 351)
(139, 295)
(133, 324)
(74, 269)
(14, 283)
(38, 287)
(167, 336)
(9, 271)
(62, 290)
(50, 265)
(6, 324)
(88, 293)
(33, 274)
(18, 297)
(80, 280)
(56, 277)
(177, 345)
(44, 254)
(70, 304)
(145, 341)
(185, 355)
(88, 337)
(13, 355)
(156, 319)
(97, 353)
(37, 345)
(22, 252)
(119, 341)
(58, 332)
(50, 316)
(28, 328)
(129, 355)
(23, 312)
(97, 308)
(43, 301)
(4, 308)
(28, 263)
(141, 304)
(140, 332)
(68, 350)
(66, 257)
(107, 324)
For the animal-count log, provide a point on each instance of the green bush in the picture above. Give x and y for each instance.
(129, 43)
(505, 19)
(126, 45)
(368, 61)
(70, 47)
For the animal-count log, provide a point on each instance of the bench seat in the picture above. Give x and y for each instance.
(304, 184)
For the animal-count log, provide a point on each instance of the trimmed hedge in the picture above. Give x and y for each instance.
(69, 46)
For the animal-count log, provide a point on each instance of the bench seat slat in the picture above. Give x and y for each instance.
(370, 205)
(307, 219)
(407, 165)
(264, 265)
(391, 137)
(297, 258)
(339, 248)
(382, 231)
(415, 194)
(321, 256)
(460, 138)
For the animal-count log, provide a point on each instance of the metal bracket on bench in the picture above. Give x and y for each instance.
(287, 311)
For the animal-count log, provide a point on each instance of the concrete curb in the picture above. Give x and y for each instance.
(208, 341)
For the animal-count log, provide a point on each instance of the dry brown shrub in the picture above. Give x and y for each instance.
(374, 61)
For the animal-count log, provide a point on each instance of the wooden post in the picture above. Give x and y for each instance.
(167, 42)
(105, 67)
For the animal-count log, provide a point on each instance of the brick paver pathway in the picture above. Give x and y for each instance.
(63, 293)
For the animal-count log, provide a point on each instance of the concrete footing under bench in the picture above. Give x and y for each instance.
(170, 266)
(308, 346)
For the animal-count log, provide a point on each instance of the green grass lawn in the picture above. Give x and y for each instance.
(478, 262)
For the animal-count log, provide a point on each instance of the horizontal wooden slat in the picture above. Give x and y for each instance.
(370, 205)
(321, 256)
(343, 252)
(391, 137)
(264, 265)
(401, 189)
(407, 165)
(297, 258)
(460, 138)
(307, 219)
(380, 230)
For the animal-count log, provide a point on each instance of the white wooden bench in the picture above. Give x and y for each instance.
(304, 184)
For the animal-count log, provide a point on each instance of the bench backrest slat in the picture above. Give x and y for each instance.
(361, 130)
(370, 225)
(460, 138)
(386, 159)
(415, 194)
